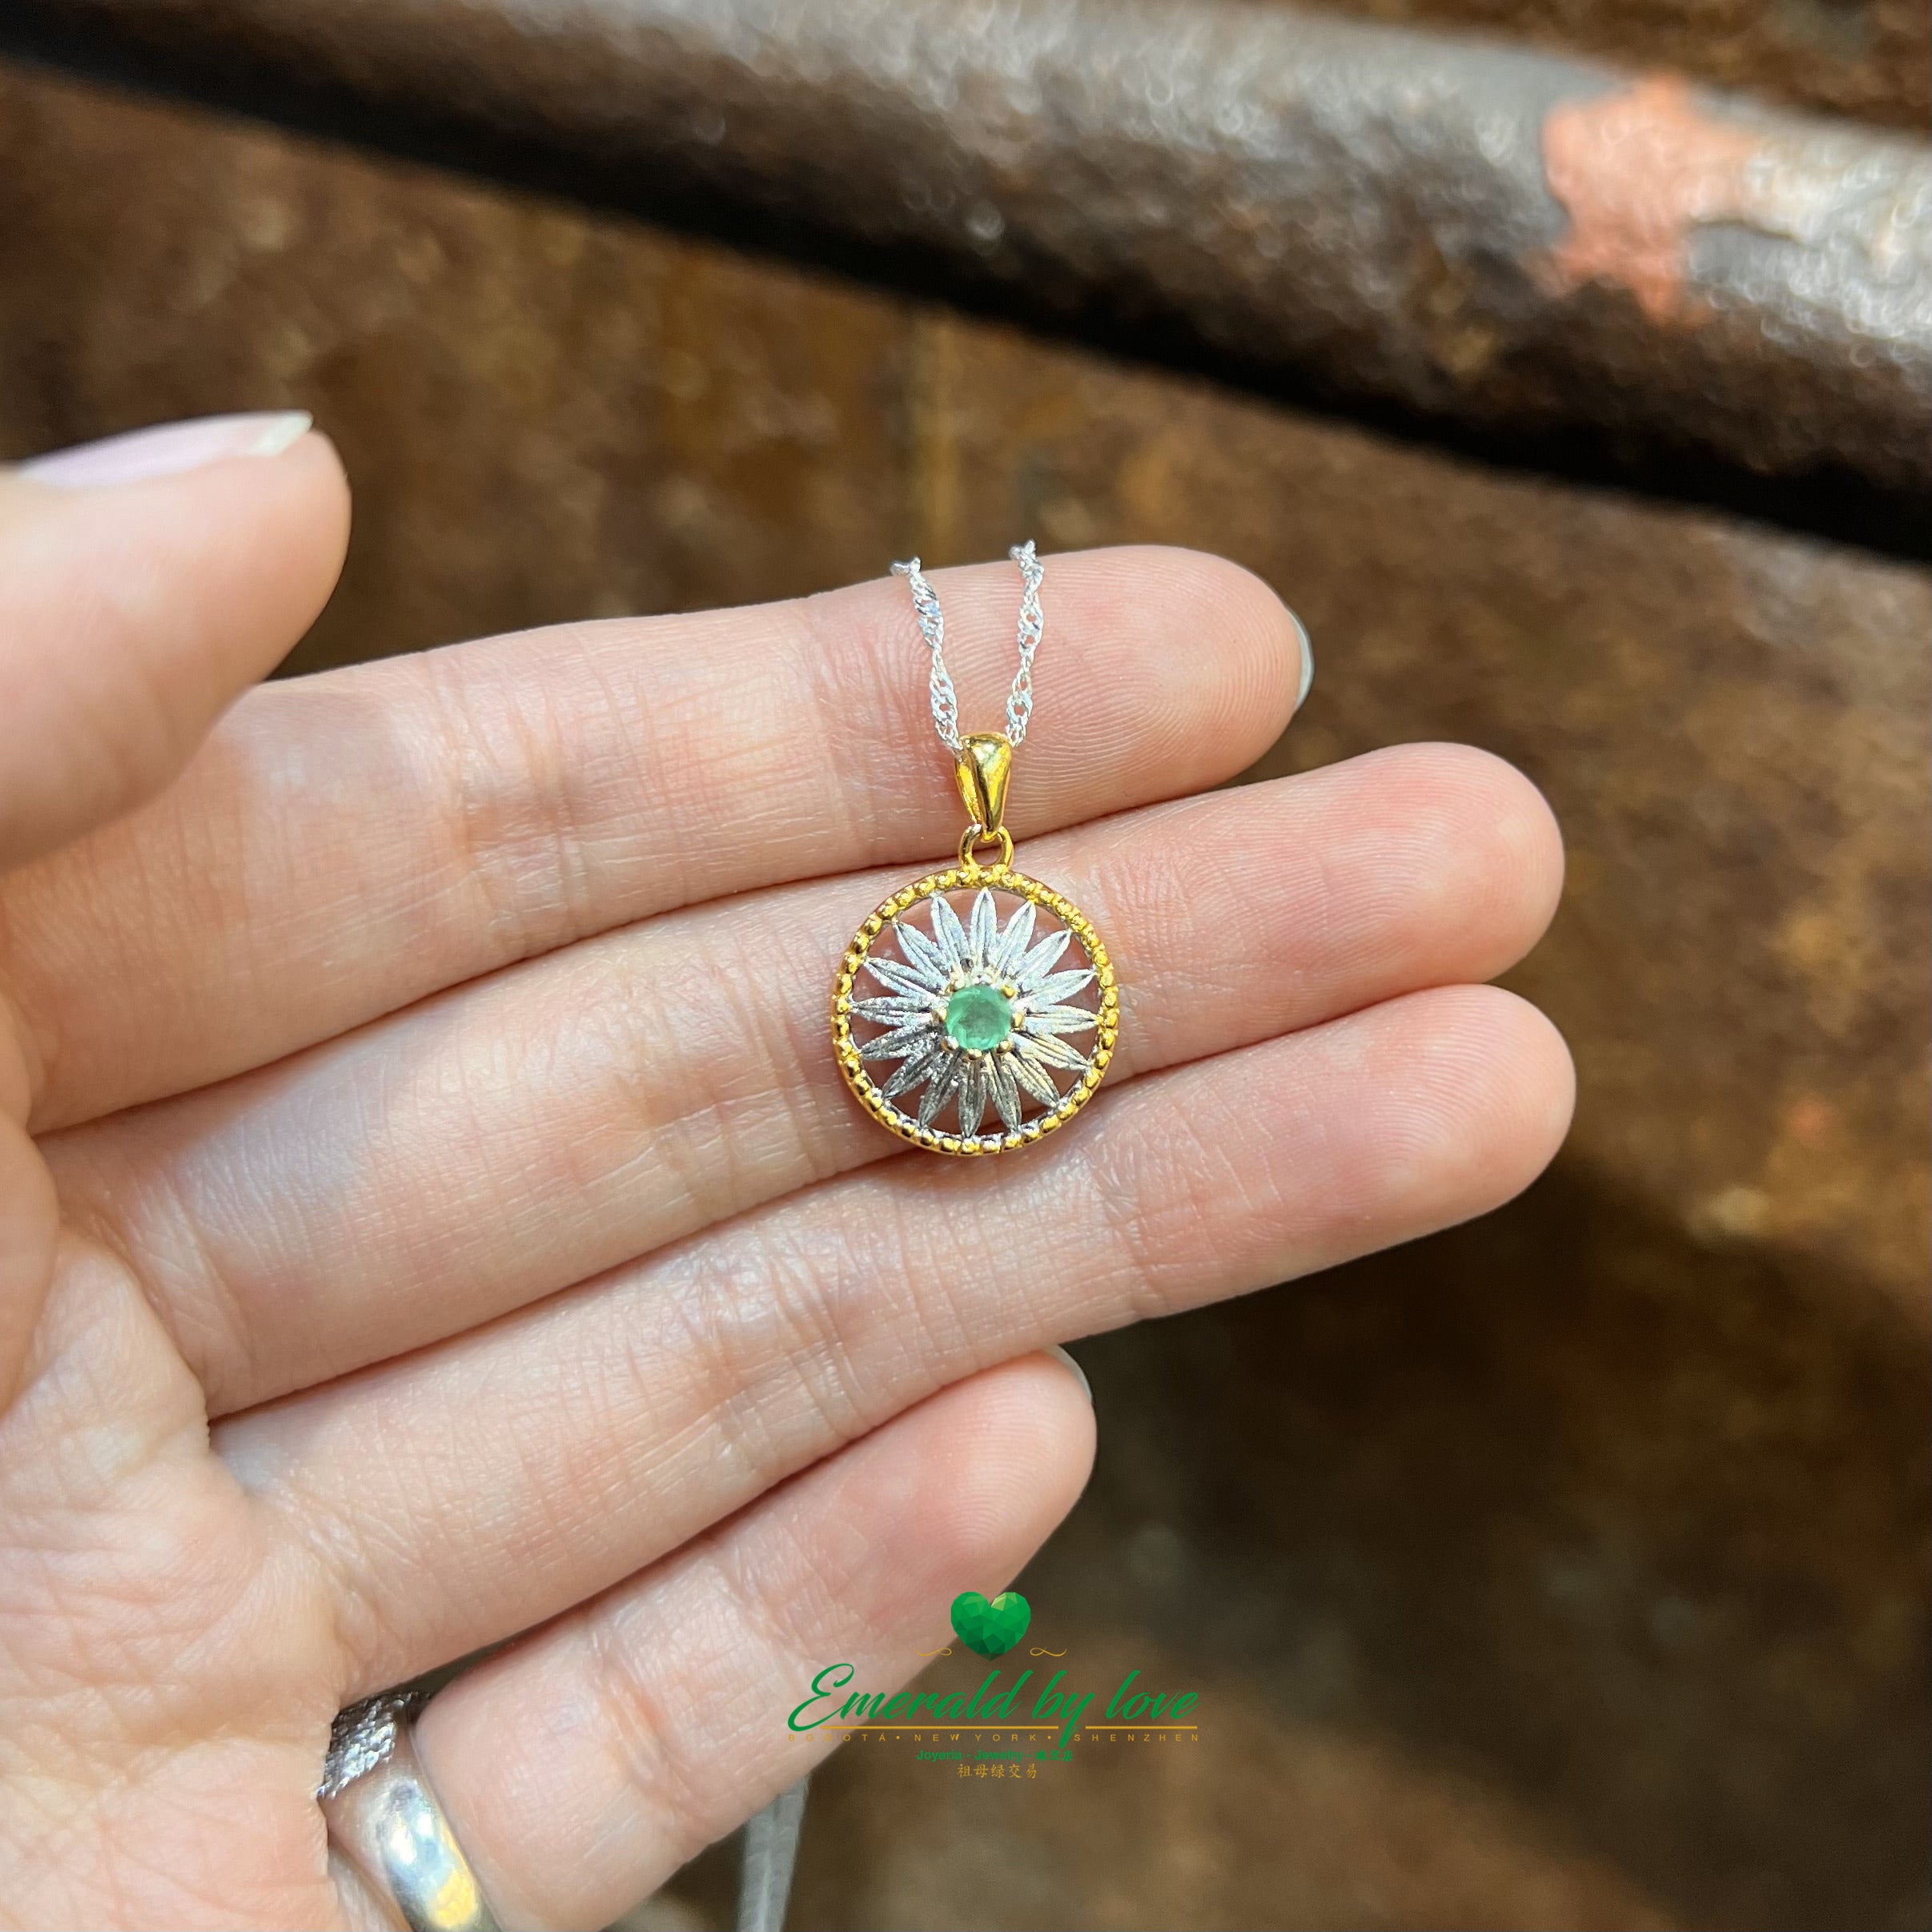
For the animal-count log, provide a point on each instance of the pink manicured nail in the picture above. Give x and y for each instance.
(169, 449)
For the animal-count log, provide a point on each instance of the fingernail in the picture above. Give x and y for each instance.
(1074, 1369)
(1308, 661)
(170, 449)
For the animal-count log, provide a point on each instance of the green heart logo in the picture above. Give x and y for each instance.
(990, 1628)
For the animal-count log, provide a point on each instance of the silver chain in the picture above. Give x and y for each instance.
(932, 628)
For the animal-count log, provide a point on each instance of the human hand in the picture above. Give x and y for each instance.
(444, 1217)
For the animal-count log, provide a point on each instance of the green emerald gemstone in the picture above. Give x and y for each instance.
(978, 1017)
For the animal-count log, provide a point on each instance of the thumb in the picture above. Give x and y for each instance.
(144, 582)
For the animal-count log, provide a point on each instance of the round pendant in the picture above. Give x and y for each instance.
(975, 1011)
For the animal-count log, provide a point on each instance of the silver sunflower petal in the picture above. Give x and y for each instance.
(1042, 960)
(972, 1095)
(900, 1041)
(1002, 1090)
(940, 1091)
(893, 1012)
(1036, 1080)
(1013, 941)
(915, 1066)
(1057, 1019)
(1045, 1050)
(983, 934)
(1058, 986)
(902, 979)
(921, 955)
(949, 935)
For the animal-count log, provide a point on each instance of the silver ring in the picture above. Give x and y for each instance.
(384, 1818)
(770, 1854)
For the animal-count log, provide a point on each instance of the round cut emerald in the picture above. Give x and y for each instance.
(978, 1017)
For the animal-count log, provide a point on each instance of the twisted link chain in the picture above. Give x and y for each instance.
(932, 628)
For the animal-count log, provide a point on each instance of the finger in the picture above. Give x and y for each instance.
(471, 1490)
(354, 842)
(290, 1231)
(584, 1765)
(143, 583)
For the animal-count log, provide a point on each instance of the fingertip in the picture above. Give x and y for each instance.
(134, 610)
(1520, 829)
(1472, 848)
(1234, 659)
(315, 499)
(1549, 1092)
(1406, 1118)
(1017, 1445)
(316, 464)
(1503, 1091)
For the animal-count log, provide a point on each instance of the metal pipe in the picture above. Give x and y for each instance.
(1502, 239)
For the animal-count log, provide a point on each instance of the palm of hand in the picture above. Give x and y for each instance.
(442, 1219)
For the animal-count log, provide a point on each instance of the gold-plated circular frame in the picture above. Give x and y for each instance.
(971, 876)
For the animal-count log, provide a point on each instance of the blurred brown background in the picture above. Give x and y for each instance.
(1566, 1570)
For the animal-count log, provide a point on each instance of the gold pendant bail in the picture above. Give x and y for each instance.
(986, 763)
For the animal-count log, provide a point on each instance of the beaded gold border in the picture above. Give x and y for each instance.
(1000, 877)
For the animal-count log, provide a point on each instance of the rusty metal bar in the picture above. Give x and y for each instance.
(1502, 240)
